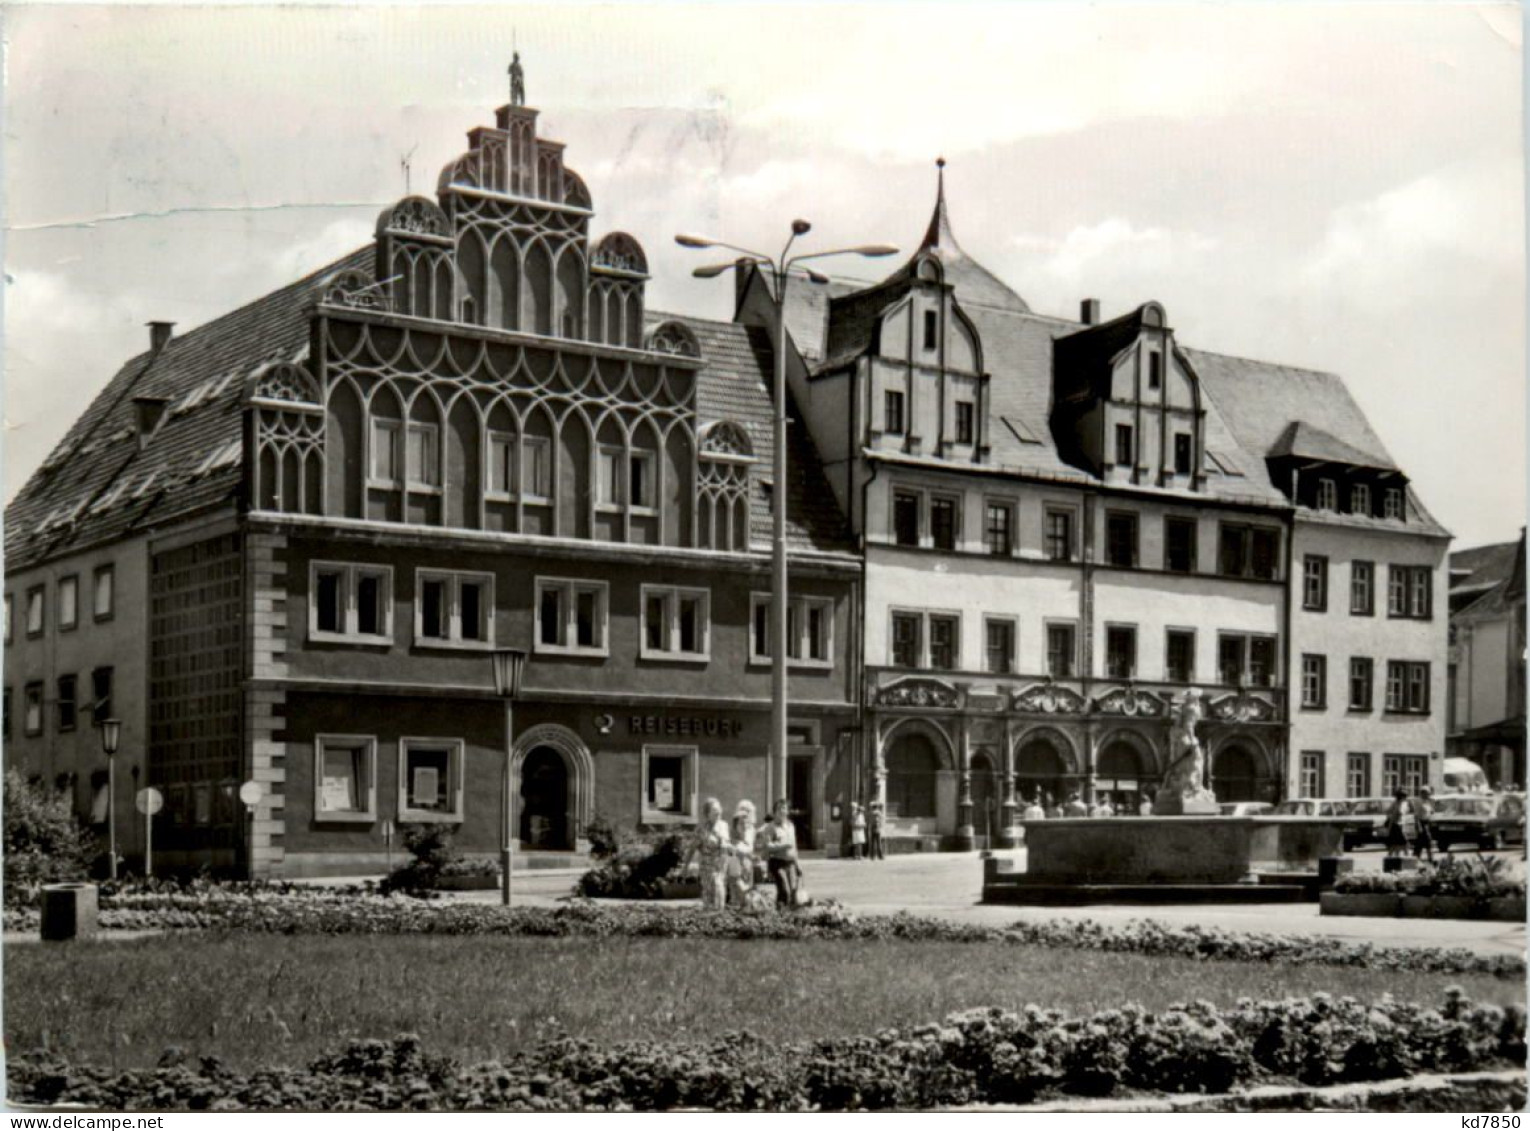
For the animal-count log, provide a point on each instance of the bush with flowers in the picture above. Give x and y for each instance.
(1479, 878)
(973, 1057)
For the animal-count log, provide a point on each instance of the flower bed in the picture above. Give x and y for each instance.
(978, 1056)
(1455, 888)
(309, 910)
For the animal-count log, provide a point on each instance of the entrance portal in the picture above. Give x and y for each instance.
(985, 798)
(1118, 778)
(1041, 775)
(1235, 775)
(544, 800)
(911, 767)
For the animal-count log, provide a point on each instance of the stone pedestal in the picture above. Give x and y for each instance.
(1168, 804)
(69, 912)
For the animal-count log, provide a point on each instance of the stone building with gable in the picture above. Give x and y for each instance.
(321, 513)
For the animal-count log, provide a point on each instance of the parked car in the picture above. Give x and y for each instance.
(1311, 807)
(1486, 820)
(1245, 808)
(1367, 821)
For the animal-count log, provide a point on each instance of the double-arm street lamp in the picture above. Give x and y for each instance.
(781, 268)
(111, 736)
(509, 666)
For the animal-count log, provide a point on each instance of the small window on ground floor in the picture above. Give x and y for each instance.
(344, 778)
(430, 779)
(669, 784)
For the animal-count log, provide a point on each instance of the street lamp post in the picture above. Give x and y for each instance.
(780, 268)
(509, 666)
(111, 736)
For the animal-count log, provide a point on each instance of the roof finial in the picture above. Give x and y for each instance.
(517, 81)
(939, 232)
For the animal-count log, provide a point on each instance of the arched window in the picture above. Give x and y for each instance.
(912, 765)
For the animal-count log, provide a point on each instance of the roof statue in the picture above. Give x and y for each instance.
(517, 81)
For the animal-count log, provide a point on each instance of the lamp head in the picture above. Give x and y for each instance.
(694, 241)
(801, 227)
(111, 735)
(876, 250)
(712, 270)
(815, 277)
(509, 666)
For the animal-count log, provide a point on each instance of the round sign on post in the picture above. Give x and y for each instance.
(251, 793)
(150, 801)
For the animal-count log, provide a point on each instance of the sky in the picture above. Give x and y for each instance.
(1335, 186)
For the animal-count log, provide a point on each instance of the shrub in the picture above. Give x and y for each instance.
(603, 838)
(433, 856)
(636, 870)
(1479, 878)
(43, 841)
(978, 1056)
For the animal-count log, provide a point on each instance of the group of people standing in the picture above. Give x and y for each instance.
(733, 856)
(1410, 822)
(866, 830)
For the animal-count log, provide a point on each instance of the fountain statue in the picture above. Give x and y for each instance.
(1184, 789)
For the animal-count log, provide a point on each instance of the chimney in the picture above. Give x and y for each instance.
(1089, 311)
(149, 410)
(159, 335)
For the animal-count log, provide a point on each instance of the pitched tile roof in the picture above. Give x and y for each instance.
(735, 384)
(100, 483)
(1307, 441)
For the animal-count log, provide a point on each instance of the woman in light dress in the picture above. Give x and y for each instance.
(711, 848)
(741, 860)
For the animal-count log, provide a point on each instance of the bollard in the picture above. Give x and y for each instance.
(69, 912)
(1330, 868)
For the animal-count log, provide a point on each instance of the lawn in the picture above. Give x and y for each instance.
(276, 999)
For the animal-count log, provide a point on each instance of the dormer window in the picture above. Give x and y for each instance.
(1393, 502)
(892, 412)
(1360, 499)
(964, 422)
(1327, 495)
(1124, 445)
(1155, 370)
(931, 329)
(1182, 453)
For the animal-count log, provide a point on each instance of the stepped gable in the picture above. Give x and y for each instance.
(734, 384)
(110, 483)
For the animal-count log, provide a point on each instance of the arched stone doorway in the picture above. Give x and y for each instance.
(545, 801)
(985, 797)
(1235, 774)
(552, 783)
(1120, 776)
(1042, 771)
(912, 766)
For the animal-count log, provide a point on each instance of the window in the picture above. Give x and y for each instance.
(931, 329)
(1060, 651)
(1314, 680)
(101, 695)
(1408, 687)
(501, 470)
(350, 602)
(998, 529)
(1404, 771)
(1248, 551)
(571, 616)
(943, 512)
(1179, 545)
(454, 609)
(36, 610)
(1183, 458)
(1327, 495)
(964, 428)
(105, 592)
(32, 717)
(906, 639)
(809, 631)
(1409, 591)
(1312, 773)
(1155, 370)
(1362, 672)
(892, 412)
(1362, 589)
(999, 645)
(1120, 651)
(1246, 659)
(430, 779)
(1179, 660)
(344, 778)
(68, 712)
(536, 467)
(423, 462)
(1121, 539)
(676, 623)
(1360, 499)
(945, 642)
(385, 441)
(669, 784)
(1392, 502)
(1357, 775)
(905, 518)
(68, 602)
(1314, 583)
(1124, 445)
(640, 480)
(608, 479)
(1059, 535)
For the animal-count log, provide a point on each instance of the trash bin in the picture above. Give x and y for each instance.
(1330, 868)
(68, 912)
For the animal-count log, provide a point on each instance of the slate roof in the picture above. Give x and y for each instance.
(192, 461)
(1309, 442)
(735, 384)
(1496, 581)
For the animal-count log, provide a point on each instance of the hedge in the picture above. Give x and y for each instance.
(977, 1056)
(290, 909)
